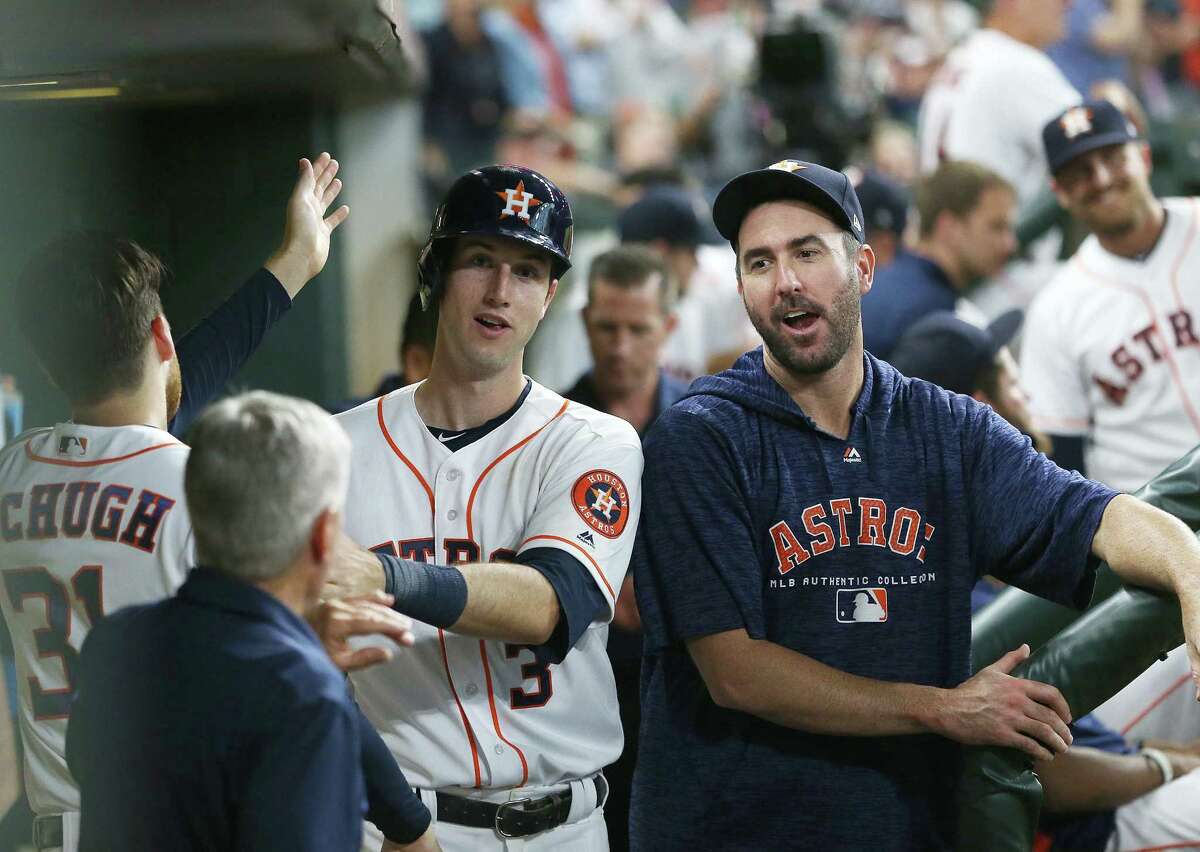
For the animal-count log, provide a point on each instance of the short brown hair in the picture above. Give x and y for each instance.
(630, 266)
(85, 303)
(955, 188)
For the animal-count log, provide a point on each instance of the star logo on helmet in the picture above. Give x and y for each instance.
(1076, 122)
(517, 202)
(787, 166)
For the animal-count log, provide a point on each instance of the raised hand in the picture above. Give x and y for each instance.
(305, 247)
(994, 708)
(336, 621)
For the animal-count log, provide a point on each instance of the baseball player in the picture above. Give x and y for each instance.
(505, 710)
(92, 511)
(1112, 347)
(987, 104)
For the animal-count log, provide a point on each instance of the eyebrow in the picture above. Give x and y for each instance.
(793, 245)
(529, 255)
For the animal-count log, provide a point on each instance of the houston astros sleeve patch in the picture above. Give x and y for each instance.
(601, 499)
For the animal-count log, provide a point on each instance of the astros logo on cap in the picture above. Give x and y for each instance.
(517, 202)
(1076, 121)
(600, 498)
(787, 166)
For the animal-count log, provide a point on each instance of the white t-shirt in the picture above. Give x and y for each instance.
(1111, 351)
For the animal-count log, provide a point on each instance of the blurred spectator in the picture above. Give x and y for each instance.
(965, 358)
(989, 101)
(649, 60)
(885, 212)
(966, 217)
(1101, 37)
(628, 317)
(417, 336)
(466, 101)
(893, 152)
(710, 331)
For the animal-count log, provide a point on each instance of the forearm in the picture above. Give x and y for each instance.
(1147, 547)
(509, 602)
(790, 689)
(1087, 779)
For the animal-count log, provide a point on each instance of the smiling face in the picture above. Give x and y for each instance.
(1108, 189)
(802, 291)
(497, 290)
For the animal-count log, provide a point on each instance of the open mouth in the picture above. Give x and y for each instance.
(491, 323)
(800, 320)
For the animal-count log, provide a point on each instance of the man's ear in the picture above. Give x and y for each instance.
(866, 268)
(672, 320)
(160, 333)
(550, 291)
(323, 535)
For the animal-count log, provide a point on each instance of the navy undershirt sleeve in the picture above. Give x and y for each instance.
(1068, 452)
(391, 803)
(580, 601)
(222, 342)
(1032, 522)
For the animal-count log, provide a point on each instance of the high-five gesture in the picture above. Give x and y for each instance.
(305, 246)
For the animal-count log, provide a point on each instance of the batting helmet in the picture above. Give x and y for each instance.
(504, 201)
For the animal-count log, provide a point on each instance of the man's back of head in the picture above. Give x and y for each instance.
(85, 303)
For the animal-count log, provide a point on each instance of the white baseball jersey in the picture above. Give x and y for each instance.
(91, 519)
(460, 712)
(988, 103)
(1111, 350)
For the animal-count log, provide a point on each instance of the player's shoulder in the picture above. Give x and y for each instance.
(365, 416)
(576, 420)
(16, 447)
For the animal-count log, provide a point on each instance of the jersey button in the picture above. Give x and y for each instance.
(472, 689)
(452, 475)
(499, 749)
(452, 514)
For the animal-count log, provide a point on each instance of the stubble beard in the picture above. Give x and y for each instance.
(843, 317)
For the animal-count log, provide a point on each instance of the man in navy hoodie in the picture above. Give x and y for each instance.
(804, 579)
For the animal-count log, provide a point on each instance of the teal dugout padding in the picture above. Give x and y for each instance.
(1088, 658)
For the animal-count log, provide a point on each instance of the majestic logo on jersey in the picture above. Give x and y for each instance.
(72, 445)
(517, 202)
(587, 538)
(1076, 122)
(787, 166)
(862, 606)
(601, 499)
(851, 456)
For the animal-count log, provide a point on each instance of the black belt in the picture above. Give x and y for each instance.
(518, 818)
(47, 832)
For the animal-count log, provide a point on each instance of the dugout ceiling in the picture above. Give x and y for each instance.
(193, 50)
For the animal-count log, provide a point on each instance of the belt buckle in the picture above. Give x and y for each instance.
(500, 813)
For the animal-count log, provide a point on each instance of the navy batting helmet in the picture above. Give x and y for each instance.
(504, 201)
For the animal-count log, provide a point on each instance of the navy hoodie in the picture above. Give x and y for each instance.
(860, 553)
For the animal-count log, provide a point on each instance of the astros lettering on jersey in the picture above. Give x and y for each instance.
(461, 712)
(1112, 351)
(91, 519)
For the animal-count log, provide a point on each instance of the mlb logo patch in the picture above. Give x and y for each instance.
(72, 445)
(862, 606)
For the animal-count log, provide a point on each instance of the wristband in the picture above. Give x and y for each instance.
(1160, 760)
(433, 594)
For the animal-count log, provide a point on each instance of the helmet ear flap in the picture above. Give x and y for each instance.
(430, 269)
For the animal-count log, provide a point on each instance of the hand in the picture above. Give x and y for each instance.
(305, 247)
(355, 571)
(337, 620)
(1189, 605)
(993, 708)
(425, 843)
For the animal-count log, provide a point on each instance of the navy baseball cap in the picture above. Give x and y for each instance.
(827, 190)
(665, 213)
(1083, 128)
(948, 351)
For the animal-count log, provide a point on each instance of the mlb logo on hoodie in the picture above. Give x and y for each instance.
(859, 606)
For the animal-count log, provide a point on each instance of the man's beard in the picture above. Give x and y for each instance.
(843, 318)
(174, 389)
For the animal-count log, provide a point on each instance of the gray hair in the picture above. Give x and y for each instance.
(262, 468)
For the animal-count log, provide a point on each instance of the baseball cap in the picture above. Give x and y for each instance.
(884, 202)
(951, 352)
(825, 189)
(664, 213)
(1083, 128)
